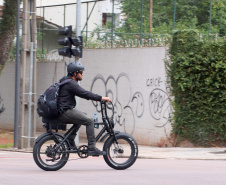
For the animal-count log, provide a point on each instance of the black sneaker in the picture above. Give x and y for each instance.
(73, 145)
(72, 142)
(95, 152)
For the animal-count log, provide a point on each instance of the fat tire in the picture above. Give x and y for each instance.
(40, 163)
(134, 151)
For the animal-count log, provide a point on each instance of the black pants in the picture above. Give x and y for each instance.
(74, 116)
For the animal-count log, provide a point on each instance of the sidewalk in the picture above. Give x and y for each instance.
(146, 152)
(183, 153)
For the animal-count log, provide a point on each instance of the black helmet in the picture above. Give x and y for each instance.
(74, 67)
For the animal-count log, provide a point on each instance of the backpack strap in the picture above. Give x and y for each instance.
(64, 82)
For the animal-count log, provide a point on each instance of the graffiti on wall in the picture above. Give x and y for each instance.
(124, 100)
(2, 108)
(127, 102)
(154, 82)
(159, 105)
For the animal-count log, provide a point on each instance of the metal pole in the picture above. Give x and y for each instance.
(112, 24)
(78, 19)
(30, 80)
(141, 25)
(151, 13)
(43, 14)
(210, 17)
(87, 13)
(17, 78)
(86, 24)
(78, 33)
(64, 14)
(174, 14)
(30, 94)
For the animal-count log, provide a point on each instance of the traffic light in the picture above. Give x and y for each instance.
(72, 46)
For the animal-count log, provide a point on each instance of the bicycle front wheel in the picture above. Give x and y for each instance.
(122, 155)
(47, 157)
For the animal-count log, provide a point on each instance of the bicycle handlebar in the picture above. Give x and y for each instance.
(104, 109)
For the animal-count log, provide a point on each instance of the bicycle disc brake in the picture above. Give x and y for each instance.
(83, 151)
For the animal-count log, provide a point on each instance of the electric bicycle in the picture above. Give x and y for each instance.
(51, 150)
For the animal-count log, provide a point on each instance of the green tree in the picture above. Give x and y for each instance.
(219, 16)
(7, 30)
(132, 11)
(189, 14)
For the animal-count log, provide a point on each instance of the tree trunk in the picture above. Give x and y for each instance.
(7, 30)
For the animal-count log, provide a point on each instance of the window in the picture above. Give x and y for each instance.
(107, 19)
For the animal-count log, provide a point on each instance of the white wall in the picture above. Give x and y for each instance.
(133, 77)
(56, 14)
(7, 96)
(135, 80)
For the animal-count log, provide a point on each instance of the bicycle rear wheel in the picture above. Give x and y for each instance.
(122, 155)
(46, 156)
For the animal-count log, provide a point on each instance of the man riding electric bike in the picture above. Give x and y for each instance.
(67, 106)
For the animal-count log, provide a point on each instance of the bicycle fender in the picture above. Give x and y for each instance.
(46, 134)
(108, 135)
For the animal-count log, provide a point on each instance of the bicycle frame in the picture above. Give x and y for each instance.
(107, 122)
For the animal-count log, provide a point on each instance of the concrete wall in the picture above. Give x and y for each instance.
(133, 77)
(7, 96)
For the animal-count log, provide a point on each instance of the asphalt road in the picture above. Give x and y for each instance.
(17, 168)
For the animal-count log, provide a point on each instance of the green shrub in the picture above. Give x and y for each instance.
(197, 73)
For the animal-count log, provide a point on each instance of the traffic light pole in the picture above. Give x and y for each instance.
(78, 20)
(77, 59)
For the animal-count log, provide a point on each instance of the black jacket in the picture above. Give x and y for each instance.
(67, 92)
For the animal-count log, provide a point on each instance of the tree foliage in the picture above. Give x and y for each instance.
(7, 30)
(197, 72)
(189, 14)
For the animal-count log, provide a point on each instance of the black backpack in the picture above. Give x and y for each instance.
(47, 102)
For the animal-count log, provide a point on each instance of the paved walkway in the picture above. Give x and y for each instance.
(147, 152)
(179, 153)
(183, 153)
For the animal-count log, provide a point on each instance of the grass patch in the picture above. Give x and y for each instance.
(7, 145)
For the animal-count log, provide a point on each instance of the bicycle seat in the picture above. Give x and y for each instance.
(46, 120)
